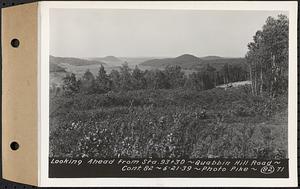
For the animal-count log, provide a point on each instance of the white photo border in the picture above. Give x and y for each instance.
(43, 107)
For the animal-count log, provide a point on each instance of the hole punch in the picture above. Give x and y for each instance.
(15, 43)
(14, 146)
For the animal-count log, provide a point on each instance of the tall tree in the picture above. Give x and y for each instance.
(125, 77)
(87, 82)
(175, 76)
(156, 79)
(102, 82)
(211, 76)
(70, 84)
(268, 57)
(115, 79)
(138, 80)
(195, 81)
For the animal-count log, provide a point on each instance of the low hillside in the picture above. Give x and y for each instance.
(56, 68)
(190, 62)
(109, 60)
(74, 61)
(185, 61)
(211, 57)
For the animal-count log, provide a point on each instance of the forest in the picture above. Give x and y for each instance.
(169, 114)
(171, 77)
(268, 57)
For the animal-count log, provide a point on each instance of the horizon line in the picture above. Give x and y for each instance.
(83, 57)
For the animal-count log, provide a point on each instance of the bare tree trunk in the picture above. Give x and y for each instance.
(251, 78)
(272, 74)
(255, 79)
(215, 79)
(261, 79)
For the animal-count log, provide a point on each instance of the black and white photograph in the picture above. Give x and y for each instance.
(169, 85)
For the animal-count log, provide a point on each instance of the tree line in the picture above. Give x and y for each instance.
(135, 79)
(268, 57)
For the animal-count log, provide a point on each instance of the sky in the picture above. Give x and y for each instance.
(153, 33)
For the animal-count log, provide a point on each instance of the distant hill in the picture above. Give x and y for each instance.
(210, 57)
(56, 68)
(136, 60)
(109, 60)
(191, 62)
(185, 61)
(74, 61)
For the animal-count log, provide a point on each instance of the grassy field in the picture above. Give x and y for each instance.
(169, 123)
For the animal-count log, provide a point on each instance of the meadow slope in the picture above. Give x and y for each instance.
(169, 124)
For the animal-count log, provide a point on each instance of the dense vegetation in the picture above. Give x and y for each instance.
(190, 62)
(165, 113)
(172, 77)
(268, 57)
(169, 123)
